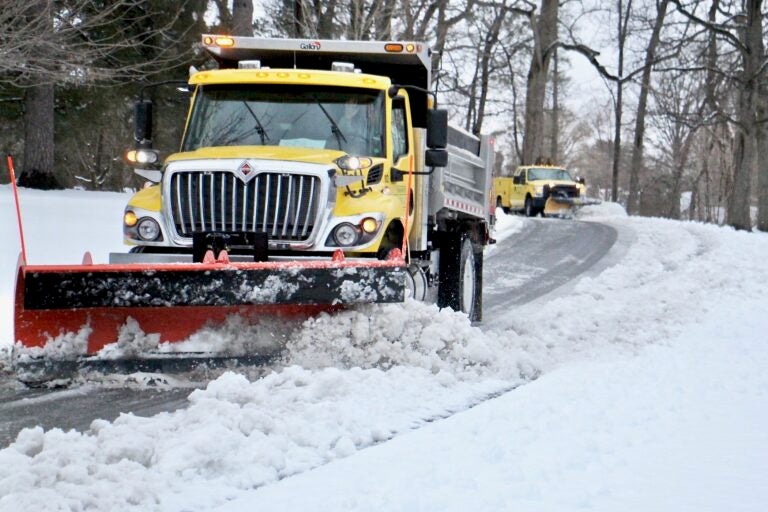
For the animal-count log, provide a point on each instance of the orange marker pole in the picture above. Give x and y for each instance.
(18, 209)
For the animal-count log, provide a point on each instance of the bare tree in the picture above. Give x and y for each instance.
(622, 31)
(485, 68)
(47, 42)
(38, 115)
(544, 27)
(242, 17)
(642, 103)
(44, 44)
(741, 30)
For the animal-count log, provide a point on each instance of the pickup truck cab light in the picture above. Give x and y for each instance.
(141, 156)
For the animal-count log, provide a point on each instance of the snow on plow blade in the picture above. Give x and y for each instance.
(89, 304)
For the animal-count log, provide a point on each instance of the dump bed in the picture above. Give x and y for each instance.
(464, 185)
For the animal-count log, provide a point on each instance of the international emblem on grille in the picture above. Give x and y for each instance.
(246, 171)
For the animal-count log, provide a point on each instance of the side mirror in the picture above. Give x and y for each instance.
(437, 129)
(436, 158)
(581, 180)
(142, 123)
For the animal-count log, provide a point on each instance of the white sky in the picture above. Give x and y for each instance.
(652, 394)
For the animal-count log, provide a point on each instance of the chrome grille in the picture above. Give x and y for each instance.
(282, 205)
(565, 190)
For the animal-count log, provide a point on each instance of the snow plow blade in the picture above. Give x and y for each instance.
(60, 307)
(563, 206)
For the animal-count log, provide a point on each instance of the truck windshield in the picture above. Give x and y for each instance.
(548, 174)
(351, 120)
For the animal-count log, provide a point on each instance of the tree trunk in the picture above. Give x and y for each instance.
(554, 148)
(490, 41)
(299, 19)
(762, 142)
(642, 103)
(326, 23)
(545, 36)
(619, 107)
(39, 171)
(242, 17)
(681, 164)
(762, 167)
(746, 154)
(383, 22)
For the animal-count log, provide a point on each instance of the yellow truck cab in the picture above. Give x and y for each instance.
(540, 190)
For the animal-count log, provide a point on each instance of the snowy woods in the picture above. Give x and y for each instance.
(660, 105)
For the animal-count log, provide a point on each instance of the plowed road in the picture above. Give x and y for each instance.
(545, 255)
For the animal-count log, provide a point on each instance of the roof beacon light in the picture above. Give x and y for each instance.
(346, 67)
(249, 64)
(393, 47)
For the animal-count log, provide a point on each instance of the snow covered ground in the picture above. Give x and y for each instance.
(640, 387)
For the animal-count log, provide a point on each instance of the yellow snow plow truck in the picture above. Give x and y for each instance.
(541, 190)
(312, 175)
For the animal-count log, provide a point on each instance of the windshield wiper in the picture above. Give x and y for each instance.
(259, 127)
(334, 127)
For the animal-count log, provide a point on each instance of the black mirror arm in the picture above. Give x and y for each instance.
(397, 174)
(392, 91)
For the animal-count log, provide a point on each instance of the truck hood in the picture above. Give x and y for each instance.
(282, 153)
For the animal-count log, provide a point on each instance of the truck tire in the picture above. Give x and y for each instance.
(528, 208)
(461, 277)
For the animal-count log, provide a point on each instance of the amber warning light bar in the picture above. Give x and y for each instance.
(223, 41)
(247, 43)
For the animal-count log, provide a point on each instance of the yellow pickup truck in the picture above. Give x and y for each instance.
(540, 189)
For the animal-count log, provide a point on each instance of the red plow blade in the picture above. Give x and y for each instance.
(59, 303)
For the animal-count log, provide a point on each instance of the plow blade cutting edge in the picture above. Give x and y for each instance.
(57, 304)
(565, 206)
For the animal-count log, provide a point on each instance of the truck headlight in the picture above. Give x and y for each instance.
(346, 235)
(538, 190)
(148, 229)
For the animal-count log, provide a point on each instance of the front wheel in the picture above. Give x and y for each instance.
(528, 209)
(461, 278)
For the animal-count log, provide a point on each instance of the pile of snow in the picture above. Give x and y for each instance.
(412, 335)
(650, 395)
(602, 210)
